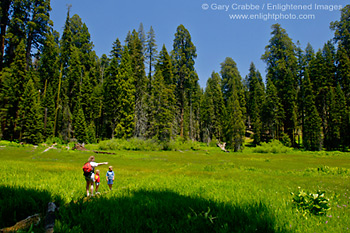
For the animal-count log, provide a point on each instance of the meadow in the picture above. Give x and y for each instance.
(201, 190)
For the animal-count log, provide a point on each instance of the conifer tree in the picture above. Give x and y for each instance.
(29, 121)
(342, 29)
(161, 102)
(27, 20)
(79, 125)
(312, 122)
(235, 128)
(49, 74)
(213, 109)
(151, 51)
(255, 100)
(37, 26)
(116, 51)
(66, 42)
(186, 79)
(231, 82)
(124, 111)
(14, 80)
(135, 47)
(272, 112)
(343, 71)
(281, 70)
(4, 21)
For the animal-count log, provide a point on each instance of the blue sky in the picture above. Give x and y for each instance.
(214, 34)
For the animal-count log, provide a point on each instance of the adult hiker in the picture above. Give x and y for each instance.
(89, 174)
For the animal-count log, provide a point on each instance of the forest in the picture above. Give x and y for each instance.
(55, 86)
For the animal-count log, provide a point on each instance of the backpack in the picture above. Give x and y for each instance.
(88, 169)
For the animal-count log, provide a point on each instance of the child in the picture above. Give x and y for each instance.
(97, 180)
(110, 177)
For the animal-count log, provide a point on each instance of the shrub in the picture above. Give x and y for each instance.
(311, 203)
(274, 146)
(137, 144)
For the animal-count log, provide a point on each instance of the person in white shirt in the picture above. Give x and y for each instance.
(91, 179)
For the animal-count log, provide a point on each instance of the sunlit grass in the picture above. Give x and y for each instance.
(183, 191)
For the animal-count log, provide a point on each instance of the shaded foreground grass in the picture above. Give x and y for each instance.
(164, 211)
(202, 191)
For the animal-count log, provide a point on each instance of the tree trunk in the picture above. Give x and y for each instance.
(5, 6)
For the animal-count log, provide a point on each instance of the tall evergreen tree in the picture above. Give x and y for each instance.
(135, 47)
(4, 21)
(255, 100)
(29, 122)
(272, 112)
(79, 124)
(281, 70)
(235, 128)
(343, 71)
(342, 28)
(151, 51)
(38, 25)
(16, 30)
(48, 74)
(161, 102)
(312, 122)
(14, 80)
(124, 113)
(186, 79)
(213, 109)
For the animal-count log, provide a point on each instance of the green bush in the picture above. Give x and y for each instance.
(274, 146)
(311, 203)
(134, 144)
(137, 144)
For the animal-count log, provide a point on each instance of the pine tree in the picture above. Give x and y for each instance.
(14, 80)
(37, 26)
(29, 121)
(79, 125)
(135, 47)
(66, 42)
(235, 128)
(255, 100)
(151, 51)
(343, 71)
(186, 79)
(281, 70)
(231, 82)
(161, 101)
(213, 109)
(272, 112)
(312, 122)
(49, 74)
(342, 29)
(116, 51)
(4, 21)
(124, 112)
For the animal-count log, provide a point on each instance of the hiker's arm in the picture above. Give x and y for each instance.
(104, 163)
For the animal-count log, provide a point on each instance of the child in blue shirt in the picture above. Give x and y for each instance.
(110, 177)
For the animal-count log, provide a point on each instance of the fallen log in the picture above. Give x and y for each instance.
(103, 152)
(24, 224)
(79, 146)
(222, 146)
(50, 217)
(51, 147)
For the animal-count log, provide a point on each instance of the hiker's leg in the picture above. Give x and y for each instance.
(92, 188)
(87, 188)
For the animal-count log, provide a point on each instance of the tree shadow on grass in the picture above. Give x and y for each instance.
(164, 211)
(17, 203)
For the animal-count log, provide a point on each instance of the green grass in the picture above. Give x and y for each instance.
(176, 191)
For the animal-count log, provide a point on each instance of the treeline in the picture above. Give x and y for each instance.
(56, 86)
